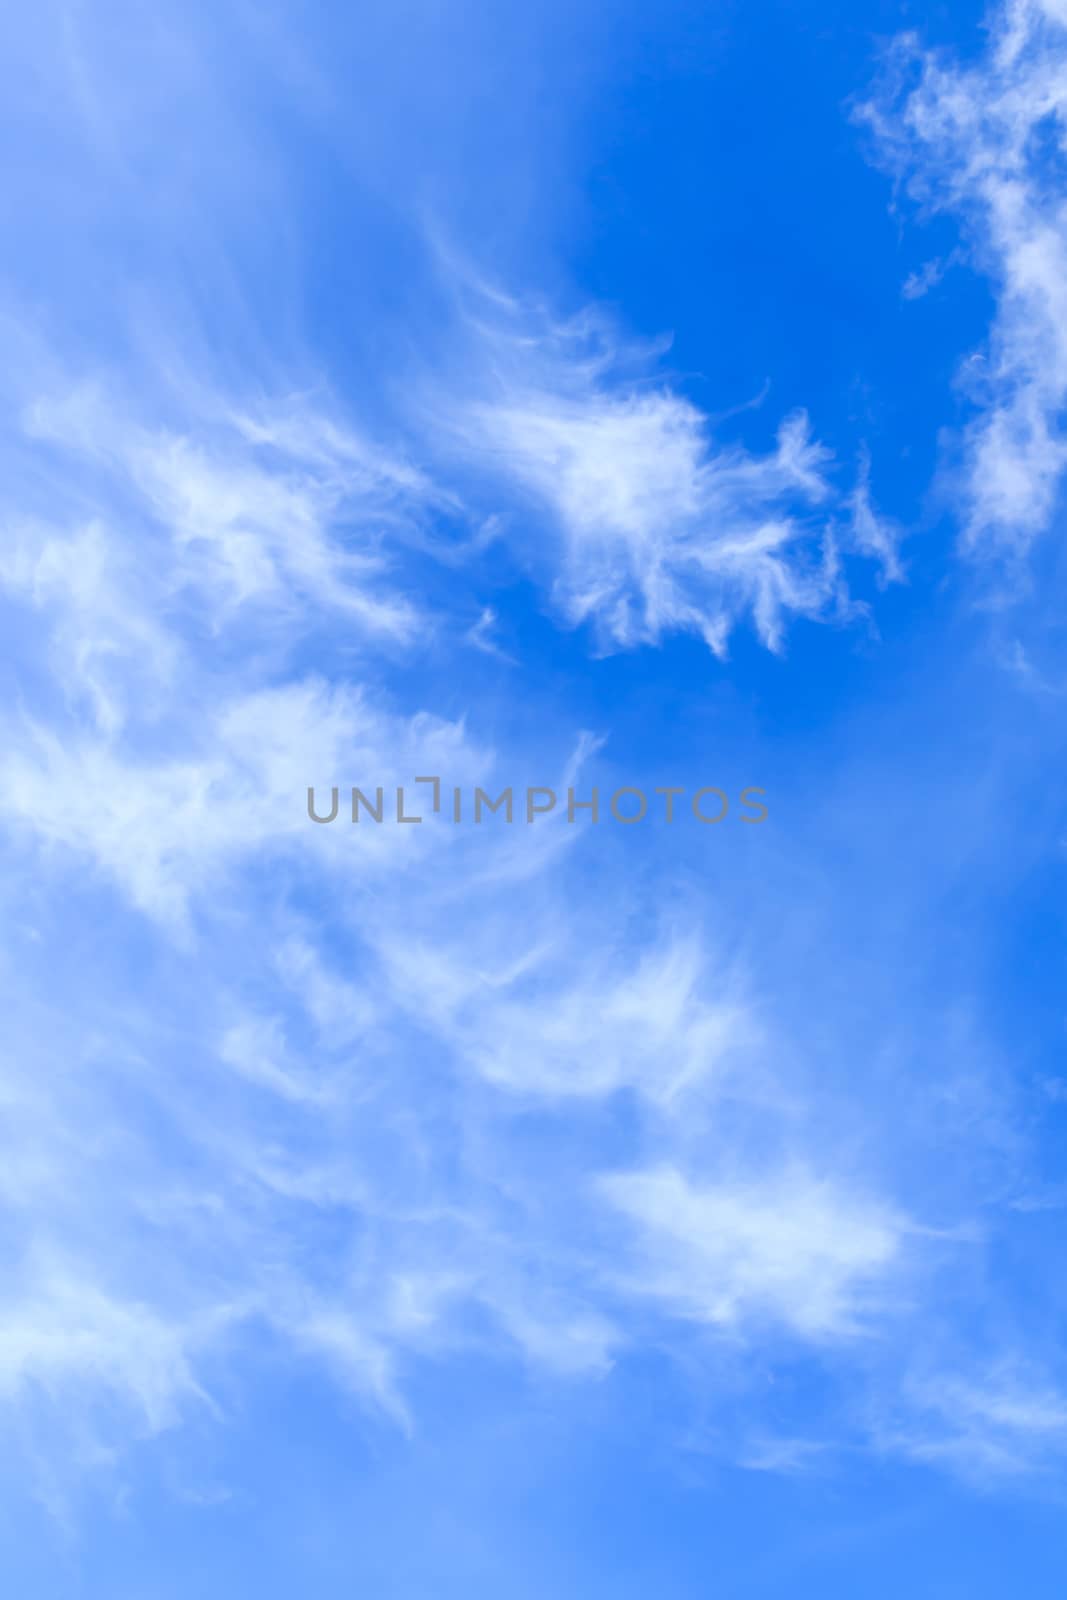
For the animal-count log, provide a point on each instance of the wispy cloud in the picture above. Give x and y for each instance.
(984, 142)
(654, 526)
(247, 511)
(995, 1423)
(161, 826)
(787, 1247)
(369, 1096)
(319, 1135)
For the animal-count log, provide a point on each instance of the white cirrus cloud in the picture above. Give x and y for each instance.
(653, 526)
(985, 142)
(238, 510)
(793, 1248)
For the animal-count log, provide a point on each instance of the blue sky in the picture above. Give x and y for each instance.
(602, 396)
